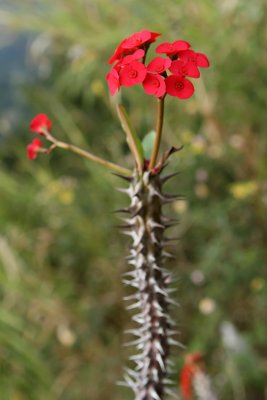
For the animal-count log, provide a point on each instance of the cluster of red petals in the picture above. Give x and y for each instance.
(132, 43)
(41, 125)
(164, 74)
(33, 148)
(186, 382)
(192, 365)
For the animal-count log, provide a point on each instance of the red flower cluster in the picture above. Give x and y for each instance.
(193, 364)
(41, 125)
(180, 60)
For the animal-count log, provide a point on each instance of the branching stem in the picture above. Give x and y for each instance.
(159, 125)
(89, 156)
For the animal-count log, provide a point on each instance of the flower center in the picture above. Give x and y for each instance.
(133, 74)
(156, 83)
(192, 60)
(159, 68)
(179, 85)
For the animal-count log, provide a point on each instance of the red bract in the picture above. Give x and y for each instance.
(139, 38)
(199, 59)
(159, 64)
(132, 74)
(41, 124)
(186, 382)
(118, 53)
(132, 57)
(172, 48)
(179, 87)
(133, 42)
(113, 81)
(154, 84)
(183, 68)
(33, 148)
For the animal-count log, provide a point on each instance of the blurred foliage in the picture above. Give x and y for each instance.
(61, 259)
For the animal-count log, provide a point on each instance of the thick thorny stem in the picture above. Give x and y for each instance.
(146, 226)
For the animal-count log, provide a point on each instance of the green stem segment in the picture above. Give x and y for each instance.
(89, 156)
(133, 140)
(159, 125)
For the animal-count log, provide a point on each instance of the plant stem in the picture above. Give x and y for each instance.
(155, 328)
(159, 125)
(133, 141)
(89, 156)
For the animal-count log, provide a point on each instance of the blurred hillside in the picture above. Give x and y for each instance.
(61, 259)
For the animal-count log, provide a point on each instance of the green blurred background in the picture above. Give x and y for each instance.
(61, 258)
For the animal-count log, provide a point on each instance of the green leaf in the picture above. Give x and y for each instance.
(147, 143)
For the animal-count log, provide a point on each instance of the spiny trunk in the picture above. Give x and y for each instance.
(146, 226)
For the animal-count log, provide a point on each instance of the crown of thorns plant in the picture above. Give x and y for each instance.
(145, 222)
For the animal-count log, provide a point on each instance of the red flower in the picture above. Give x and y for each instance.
(199, 59)
(33, 148)
(131, 57)
(118, 53)
(154, 36)
(172, 48)
(132, 73)
(139, 38)
(113, 81)
(179, 87)
(41, 124)
(193, 365)
(183, 68)
(159, 64)
(154, 84)
(133, 42)
(186, 382)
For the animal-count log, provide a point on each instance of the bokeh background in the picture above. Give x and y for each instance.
(61, 259)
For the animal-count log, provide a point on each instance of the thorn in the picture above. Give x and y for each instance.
(132, 283)
(171, 224)
(169, 176)
(173, 302)
(154, 394)
(167, 199)
(160, 361)
(154, 224)
(159, 290)
(129, 381)
(122, 383)
(139, 341)
(170, 239)
(172, 332)
(122, 210)
(132, 297)
(171, 290)
(135, 305)
(171, 393)
(127, 191)
(125, 178)
(168, 381)
(158, 346)
(123, 226)
(136, 332)
(168, 255)
(173, 342)
(130, 273)
(131, 373)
